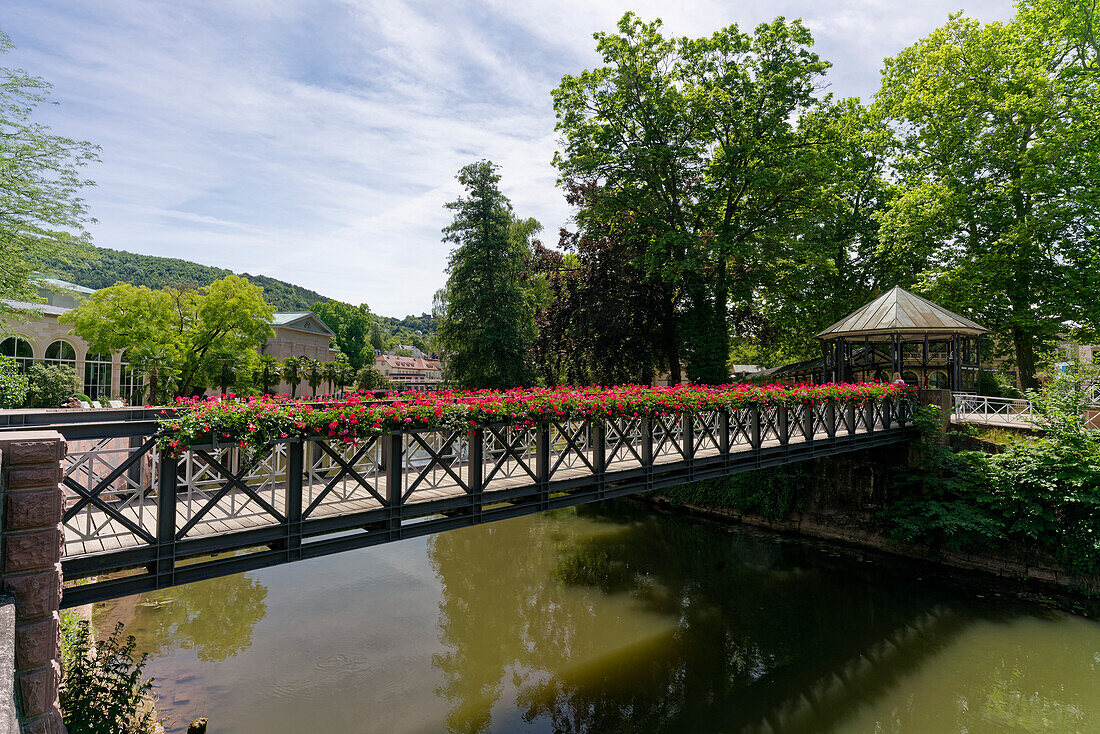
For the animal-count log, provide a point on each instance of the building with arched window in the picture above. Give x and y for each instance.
(36, 336)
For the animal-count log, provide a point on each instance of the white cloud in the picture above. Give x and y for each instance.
(316, 141)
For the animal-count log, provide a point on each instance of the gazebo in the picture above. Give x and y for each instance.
(901, 332)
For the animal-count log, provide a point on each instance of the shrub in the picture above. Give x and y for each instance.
(50, 386)
(369, 378)
(1038, 496)
(13, 384)
(102, 691)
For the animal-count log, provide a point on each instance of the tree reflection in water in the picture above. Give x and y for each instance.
(753, 627)
(215, 617)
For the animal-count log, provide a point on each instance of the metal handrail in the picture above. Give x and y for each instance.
(967, 406)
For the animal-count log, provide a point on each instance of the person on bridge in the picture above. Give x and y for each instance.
(897, 379)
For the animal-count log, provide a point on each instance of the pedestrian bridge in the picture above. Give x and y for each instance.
(136, 519)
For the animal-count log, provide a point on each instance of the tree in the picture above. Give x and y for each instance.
(41, 213)
(189, 328)
(369, 378)
(376, 340)
(232, 370)
(488, 326)
(13, 384)
(694, 148)
(997, 159)
(293, 370)
(315, 373)
(602, 323)
(50, 386)
(826, 260)
(268, 372)
(353, 325)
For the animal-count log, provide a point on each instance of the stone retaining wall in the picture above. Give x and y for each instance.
(30, 569)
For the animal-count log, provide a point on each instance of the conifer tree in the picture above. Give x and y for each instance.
(488, 325)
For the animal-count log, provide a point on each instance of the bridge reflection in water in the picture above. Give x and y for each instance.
(607, 618)
(218, 510)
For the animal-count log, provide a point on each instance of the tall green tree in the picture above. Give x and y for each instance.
(694, 143)
(488, 326)
(189, 328)
(997, 160)
(42, 216)
(353, 326)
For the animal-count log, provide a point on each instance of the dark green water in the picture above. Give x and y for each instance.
(607, 619)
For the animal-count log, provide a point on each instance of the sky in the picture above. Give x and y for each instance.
(316, 141)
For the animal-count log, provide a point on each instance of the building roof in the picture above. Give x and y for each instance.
(42, 308)
(67, 286)
(899, 311)
(301, 320)
(409, 363)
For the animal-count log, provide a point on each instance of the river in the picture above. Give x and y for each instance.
(607, 619)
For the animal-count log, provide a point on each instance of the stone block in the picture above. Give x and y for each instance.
(37, 594)
(40, 451)
(39, 508)
(28, 550)
(33, 477)
(36, 642)
(38, 688)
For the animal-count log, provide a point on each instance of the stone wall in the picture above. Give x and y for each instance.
(30, 569)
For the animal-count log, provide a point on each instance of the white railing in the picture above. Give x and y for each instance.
(982, 409)
(1092, 393)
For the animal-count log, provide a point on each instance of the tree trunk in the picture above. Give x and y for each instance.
(671, 339)
(1025, 358)
(719, 373)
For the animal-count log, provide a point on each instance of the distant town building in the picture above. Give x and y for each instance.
(418, 372)
(38, 337)
(301, 334)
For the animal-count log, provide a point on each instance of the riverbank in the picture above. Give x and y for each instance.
(984, 574)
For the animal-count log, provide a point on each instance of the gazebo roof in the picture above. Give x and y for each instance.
(899, 311)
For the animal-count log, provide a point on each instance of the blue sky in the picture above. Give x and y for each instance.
(317, 140)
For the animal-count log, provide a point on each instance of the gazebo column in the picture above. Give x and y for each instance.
(895, 352)
(978, 360)
(956, 363)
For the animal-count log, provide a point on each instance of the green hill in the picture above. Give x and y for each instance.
(104, 267)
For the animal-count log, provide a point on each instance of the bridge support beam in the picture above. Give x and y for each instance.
(31, 540)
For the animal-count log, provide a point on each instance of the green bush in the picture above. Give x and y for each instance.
(102, 690)
(13, 384)
(51, 386)
(988, 384)
(369, 378)
(1037, 497)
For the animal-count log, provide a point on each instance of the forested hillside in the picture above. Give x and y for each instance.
(104, 267)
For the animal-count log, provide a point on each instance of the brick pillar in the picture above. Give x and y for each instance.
(940, 398)
(30, 566)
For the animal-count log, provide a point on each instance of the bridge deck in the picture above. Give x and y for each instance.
(302, 499)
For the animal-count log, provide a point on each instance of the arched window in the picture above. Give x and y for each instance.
(909, 377)
(97, 375)
(18, 349)
(61, 352)
(938, 380)
(131, 380)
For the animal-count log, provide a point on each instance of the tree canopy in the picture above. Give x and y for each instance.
(692, 154)
(189, 330)
(42, 216)
(996, 158)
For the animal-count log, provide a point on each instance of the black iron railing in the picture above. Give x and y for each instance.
(136, 519)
